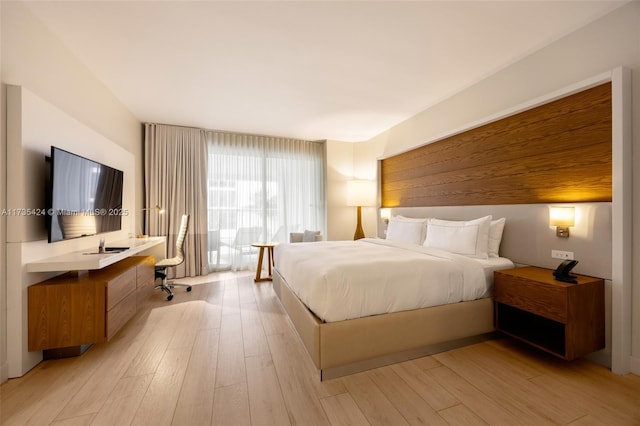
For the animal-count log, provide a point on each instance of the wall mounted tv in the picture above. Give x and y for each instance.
(85, 197)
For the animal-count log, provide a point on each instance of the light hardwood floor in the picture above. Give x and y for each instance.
(226, 354)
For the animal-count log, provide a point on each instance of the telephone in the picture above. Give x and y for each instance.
(562, 272)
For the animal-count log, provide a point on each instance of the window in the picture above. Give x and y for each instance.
(260, 189)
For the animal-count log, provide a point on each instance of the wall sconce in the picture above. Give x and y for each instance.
(385, 215)
(562, 218)
(360, 193)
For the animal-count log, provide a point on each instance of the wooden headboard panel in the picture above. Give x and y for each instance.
(556, 152)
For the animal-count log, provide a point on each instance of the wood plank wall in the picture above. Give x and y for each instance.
(556, 152)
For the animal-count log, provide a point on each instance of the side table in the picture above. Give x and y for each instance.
(566, 320)
(269, 247)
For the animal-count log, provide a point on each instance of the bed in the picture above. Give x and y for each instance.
(361, 304)
(509, 166)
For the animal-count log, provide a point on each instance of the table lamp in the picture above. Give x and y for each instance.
(360, 193)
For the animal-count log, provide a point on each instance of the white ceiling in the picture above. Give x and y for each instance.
(313, 70)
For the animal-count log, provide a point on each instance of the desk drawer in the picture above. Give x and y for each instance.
(120, 287)
(120, 314)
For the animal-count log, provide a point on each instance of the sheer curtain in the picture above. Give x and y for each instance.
(259, 189)
(175, 178)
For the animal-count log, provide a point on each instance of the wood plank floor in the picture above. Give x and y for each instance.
(226, 354)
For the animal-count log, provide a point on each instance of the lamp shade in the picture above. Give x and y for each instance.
(361, 193)
(561, 216)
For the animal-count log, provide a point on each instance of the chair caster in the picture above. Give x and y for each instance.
(169, 297)
(189, 288)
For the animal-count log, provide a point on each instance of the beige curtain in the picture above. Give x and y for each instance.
(175, 179)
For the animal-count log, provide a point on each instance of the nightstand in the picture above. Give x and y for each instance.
(566, 320)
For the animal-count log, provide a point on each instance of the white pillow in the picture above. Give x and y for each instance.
(406, 229)
(470, 238)
(422, 220)
(495, 236)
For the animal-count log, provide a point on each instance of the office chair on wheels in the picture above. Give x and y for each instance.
(161, 266)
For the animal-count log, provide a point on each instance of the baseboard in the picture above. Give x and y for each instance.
(634, 365)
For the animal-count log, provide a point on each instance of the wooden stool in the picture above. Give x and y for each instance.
(269, 247)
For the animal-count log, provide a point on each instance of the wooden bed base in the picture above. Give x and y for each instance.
(346, 347)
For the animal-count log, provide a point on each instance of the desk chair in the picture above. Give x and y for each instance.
(161, 267)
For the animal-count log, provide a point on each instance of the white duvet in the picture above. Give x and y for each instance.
(340, 280)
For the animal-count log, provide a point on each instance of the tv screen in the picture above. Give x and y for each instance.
(85, 197)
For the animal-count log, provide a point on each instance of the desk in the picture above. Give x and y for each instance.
(88, 260)
(69, 312)
(269, 247)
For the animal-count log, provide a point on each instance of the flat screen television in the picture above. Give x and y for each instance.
(85, 197)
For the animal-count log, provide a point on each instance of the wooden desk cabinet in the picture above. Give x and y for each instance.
(78, 309)
(564, 319)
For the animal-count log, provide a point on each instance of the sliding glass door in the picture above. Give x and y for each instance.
(260, 189)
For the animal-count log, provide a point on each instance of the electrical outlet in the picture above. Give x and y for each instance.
(559, 254)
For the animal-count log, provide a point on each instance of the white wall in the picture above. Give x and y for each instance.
(607, 43)
(341, 219)
(612, 41)
(35, 58)
(32, 57)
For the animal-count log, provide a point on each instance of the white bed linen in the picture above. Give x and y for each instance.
(340, 280)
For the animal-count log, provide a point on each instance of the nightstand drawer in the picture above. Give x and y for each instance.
(545, 300)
